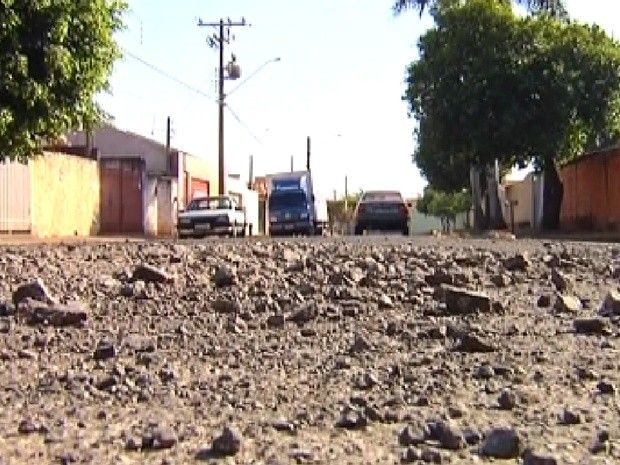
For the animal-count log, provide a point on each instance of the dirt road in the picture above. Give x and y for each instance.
(373, 350)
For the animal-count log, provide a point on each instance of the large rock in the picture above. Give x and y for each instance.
(228, 443)
(533, 458)
(410, 437)
(159, 439)
(352, 419)
(438, 278)
(305, 313)
(104, 350)
(501, 443)
(567, 304)
(150, 274)
(611, 304)
(224, 276)
(35, 290)
(450, 437)
(597, 326)
(463, 301)
(519, 262)
(560, 280)
(39, 313)
(507, 400)
(473, 344)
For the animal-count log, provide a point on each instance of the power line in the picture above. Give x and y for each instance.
(243, 125)
(191, 88)
(168, 75)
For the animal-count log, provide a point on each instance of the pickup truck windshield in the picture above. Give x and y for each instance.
(211, 203)
(288, 200)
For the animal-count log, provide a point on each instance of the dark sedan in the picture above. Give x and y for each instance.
(382, 211)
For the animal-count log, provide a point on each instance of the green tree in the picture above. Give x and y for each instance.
(55, 56)
(491, 85)
(445, 205)
(553, 7)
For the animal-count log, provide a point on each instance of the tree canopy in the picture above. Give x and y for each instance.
(489, 85)
(55, 56)
(555, 8)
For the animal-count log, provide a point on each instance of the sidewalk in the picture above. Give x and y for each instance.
(27, 239)
(611, 237)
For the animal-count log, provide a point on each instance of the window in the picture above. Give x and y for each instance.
(382, 197)
(288, 200)
(210, 203)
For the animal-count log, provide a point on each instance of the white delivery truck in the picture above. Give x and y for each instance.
(292, 206)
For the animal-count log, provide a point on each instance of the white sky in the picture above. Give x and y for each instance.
(340, 81)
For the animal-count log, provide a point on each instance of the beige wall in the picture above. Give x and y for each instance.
(65, 195)
(522, 193)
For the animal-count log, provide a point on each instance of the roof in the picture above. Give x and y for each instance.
(110, 128)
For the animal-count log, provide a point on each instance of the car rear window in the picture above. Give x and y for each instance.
(382, 197)
(210, 203)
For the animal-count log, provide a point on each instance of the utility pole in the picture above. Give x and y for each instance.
(219, 40)
(346, 194)
(251, 174)
(292, 164)
(168, 161)
(308, 153)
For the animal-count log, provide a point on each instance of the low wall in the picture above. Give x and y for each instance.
(65, 195)
(421, 224)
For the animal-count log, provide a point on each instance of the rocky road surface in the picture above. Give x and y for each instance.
(328, 351)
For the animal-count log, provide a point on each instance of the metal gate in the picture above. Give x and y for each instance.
(14, 197)
(121, 196)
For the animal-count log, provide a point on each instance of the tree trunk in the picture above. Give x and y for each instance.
(476, 193)
(553, 194)
(496, 218)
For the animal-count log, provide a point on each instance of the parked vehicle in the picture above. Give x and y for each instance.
(383, 211)
(322, 216)
(206, 216)
(291, 205)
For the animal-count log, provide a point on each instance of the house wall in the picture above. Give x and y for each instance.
(591, 199)
(64, 195)
(150, 206)
(165, 207)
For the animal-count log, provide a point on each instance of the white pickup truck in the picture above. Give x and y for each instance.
(205, 216)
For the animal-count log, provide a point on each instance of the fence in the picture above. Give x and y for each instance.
(592, 192)
(14, 198)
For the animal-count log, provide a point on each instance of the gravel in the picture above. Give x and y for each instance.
(348, 351)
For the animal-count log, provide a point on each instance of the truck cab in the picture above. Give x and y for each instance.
(291, 204)
(291, 212)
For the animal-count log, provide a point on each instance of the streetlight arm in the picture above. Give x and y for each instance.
(273, 60)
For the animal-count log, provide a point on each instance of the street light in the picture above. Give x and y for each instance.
(236, 73)
(254, 73)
